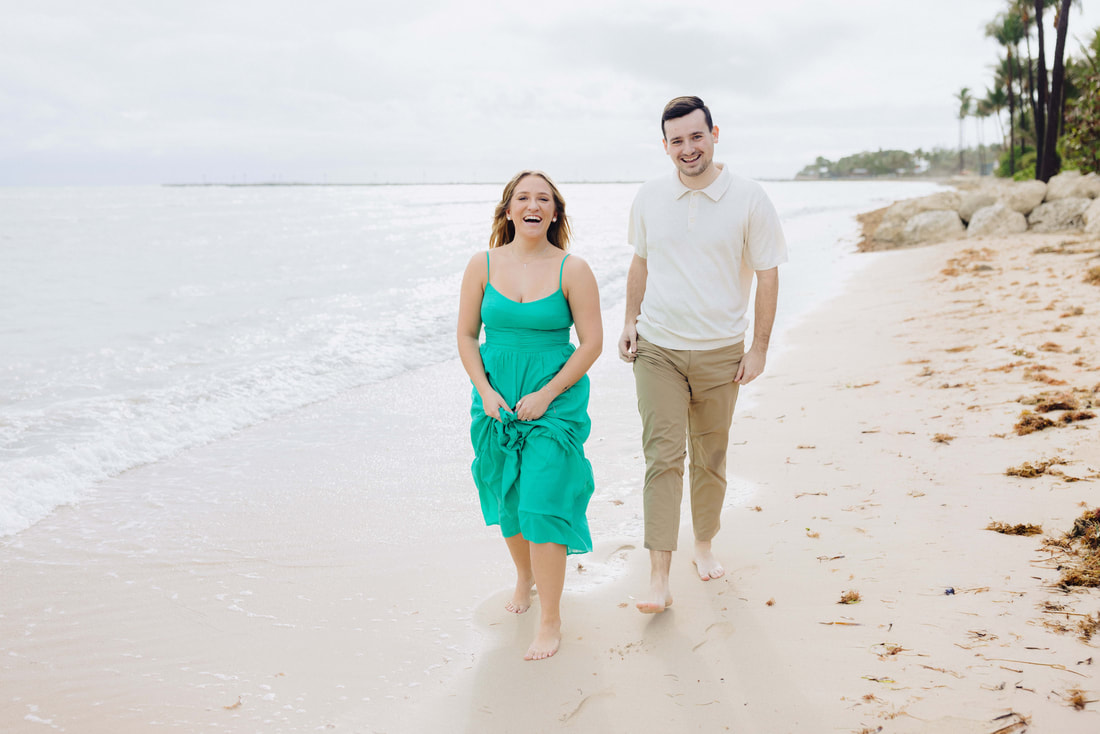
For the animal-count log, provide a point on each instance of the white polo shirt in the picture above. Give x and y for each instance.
(701, 248)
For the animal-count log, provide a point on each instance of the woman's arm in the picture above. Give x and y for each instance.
(580, 289)
(469, 334)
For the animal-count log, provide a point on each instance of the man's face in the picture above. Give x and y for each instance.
(690, 144)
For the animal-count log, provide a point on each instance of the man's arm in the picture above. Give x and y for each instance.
(767, 296)
(635, 290)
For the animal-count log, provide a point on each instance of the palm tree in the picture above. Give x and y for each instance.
(964, 98)
(1007, 29)
(1050, 112)
(1025, 10)
(982, 110)
(995, 101)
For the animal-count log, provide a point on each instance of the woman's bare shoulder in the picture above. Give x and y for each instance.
(575, 264)
(478, 262)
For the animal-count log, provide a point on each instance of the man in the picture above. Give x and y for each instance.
(699, 236)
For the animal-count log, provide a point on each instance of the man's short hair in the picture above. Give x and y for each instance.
(683, 106)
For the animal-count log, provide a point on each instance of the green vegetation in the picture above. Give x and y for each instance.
(1053, 108)
(1081, 142)
(1052, 117)
(936, 163)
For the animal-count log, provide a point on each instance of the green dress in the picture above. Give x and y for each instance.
(532, 476)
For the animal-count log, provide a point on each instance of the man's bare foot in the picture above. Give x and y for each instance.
(521, 599)
(705, 562)
(546, 642)
(659, 597)
(660, 593)
(654, 607)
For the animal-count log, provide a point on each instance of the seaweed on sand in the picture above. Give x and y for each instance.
(1060, 401)
(1016, 723)
(1074, 398)
(1017, 529)
(1029, 470)
(1081, 548)
(1077, 700)
(849, 597)
(1086, 530)
(1088, 627)
(1030, 423)
(1035, 374)
(1076, 415)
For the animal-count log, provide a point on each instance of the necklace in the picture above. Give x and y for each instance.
(536, 256)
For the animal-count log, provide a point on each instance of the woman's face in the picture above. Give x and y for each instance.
(531, 208)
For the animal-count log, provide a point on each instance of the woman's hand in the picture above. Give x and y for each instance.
(532, 406)
(493, 402)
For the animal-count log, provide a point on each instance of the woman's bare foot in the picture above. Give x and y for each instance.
(546, 641)
(521, 599)
(705, 562)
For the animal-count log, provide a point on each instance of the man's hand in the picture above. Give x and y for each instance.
(628, 343)
(752, 366)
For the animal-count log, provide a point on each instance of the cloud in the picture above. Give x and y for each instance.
(431, 89)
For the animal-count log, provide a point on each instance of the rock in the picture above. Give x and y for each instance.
(889, 230)
(1091, 218)
(899, 213)
(997, 219)
(972, 201)
(1090, 186)
(932, 226)
(1058, 215)
(1022, 196)
(933, 202)
(1072, 185)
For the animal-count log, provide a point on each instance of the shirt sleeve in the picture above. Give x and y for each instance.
(767, 247)
(635, 234)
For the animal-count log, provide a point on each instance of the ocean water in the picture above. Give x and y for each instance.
(136, 323)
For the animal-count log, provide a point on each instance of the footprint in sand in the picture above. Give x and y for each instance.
(620, 552)
(715, 632)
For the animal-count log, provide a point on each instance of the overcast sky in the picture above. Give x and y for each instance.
(151, 91)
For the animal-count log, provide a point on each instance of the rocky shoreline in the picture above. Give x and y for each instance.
(1069, 202)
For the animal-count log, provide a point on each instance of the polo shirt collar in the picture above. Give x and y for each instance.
(714, 192)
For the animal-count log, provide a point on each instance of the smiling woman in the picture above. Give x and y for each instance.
(538, 188)
(529, 417)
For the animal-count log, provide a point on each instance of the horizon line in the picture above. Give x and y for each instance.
(186, 184)
(377, 183)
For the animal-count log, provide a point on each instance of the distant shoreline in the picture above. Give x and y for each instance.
(272, 184)
(386, 183)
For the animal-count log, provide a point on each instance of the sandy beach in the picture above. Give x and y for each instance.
(870, 458)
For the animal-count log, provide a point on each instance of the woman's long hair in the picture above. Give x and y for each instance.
(504, 231)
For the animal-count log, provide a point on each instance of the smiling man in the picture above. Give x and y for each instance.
(699, 237)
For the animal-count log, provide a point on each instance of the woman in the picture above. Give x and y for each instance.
(530, 397)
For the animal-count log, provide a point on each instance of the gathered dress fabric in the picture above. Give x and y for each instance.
(532, 476)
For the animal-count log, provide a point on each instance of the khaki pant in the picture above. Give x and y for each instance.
(685, 398)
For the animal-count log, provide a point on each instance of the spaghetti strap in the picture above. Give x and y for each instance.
(562, 270)
(486, 266)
